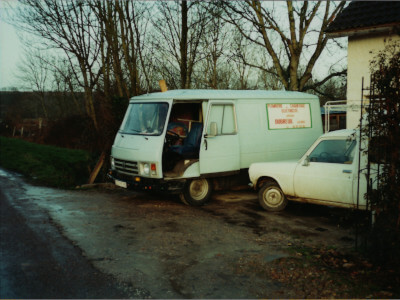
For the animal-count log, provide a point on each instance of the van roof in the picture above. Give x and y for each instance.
(224, 95)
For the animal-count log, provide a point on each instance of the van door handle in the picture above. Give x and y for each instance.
(205, 144)
(347, 171)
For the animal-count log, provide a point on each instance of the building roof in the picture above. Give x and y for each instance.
(363, 16)
(224, 95)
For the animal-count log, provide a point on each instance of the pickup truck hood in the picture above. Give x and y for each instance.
(281, 171)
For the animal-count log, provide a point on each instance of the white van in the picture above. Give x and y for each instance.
(194, 141)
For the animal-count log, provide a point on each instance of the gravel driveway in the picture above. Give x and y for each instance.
(152, 243)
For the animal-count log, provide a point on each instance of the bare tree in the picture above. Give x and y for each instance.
(180, 27)
(103, 43)
(133, 24)
(64, 87)
(241, 50)
(34, 75)
(293, 36)
(72, 27)
(214, 70)
(123, 30)
(333, 89)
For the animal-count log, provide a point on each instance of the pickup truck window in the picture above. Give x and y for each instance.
(334, 151)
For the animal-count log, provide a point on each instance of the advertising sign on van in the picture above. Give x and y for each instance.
(289, 116)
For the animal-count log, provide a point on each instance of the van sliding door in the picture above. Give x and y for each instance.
(220, 150)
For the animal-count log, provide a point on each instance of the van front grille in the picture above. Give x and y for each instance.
(126, 167)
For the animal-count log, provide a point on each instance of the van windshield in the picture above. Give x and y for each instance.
(145, 118)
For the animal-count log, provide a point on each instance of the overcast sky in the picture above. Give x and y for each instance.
(10, 49)
(11, 52)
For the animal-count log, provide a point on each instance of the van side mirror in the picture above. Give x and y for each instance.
(213, 129)
(306, 161)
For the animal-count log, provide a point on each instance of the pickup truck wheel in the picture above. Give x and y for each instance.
(271, 197)
(196, 192)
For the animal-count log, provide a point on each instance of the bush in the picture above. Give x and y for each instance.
(74, 132)
(48, 165)
(384, 127)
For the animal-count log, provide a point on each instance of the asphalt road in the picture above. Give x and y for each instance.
(37, 261)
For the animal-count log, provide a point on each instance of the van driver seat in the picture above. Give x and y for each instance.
(191, 144)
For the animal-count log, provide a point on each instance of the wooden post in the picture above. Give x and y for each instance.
(163, 85)
(97, 168)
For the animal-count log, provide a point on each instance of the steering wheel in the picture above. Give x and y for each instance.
(173, 133)
(172, 137)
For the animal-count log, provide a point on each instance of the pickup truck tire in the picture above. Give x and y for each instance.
(196, 192)
(271, 197)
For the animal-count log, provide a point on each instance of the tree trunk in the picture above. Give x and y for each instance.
(183, 46)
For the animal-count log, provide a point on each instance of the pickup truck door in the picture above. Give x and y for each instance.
(328, 173)
(220, 151)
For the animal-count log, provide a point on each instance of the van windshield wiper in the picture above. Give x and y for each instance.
(131, 131)
(135, 131)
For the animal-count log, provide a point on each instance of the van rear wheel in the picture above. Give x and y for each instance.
(271, 197)
(196, 192)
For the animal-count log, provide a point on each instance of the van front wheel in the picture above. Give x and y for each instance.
(271, 197)
(196, 192)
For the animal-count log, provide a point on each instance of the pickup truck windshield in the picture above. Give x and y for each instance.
(145, 118)
(334, 151)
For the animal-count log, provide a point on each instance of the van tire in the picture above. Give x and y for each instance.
(196, 192)
(271, 197)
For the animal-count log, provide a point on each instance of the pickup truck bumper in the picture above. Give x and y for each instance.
(145, 184)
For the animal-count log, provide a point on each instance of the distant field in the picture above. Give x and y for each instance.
(48, 165)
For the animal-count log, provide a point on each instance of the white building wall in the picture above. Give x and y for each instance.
(361, 50)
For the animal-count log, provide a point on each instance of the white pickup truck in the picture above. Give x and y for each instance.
(327, 174)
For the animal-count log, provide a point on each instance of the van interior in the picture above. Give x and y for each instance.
(182, 142)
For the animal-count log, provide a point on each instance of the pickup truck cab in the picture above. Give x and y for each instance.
(327, 174)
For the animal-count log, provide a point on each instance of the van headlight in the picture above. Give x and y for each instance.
(148, 169)
(112, 163)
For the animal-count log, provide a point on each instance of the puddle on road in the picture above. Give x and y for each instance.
(10, 175)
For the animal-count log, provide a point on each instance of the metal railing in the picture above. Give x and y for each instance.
(333, 106)
(338, 106)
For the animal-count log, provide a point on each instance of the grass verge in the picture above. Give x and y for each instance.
(48, 165)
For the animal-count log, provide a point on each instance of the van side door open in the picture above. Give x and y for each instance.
(220, 150)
